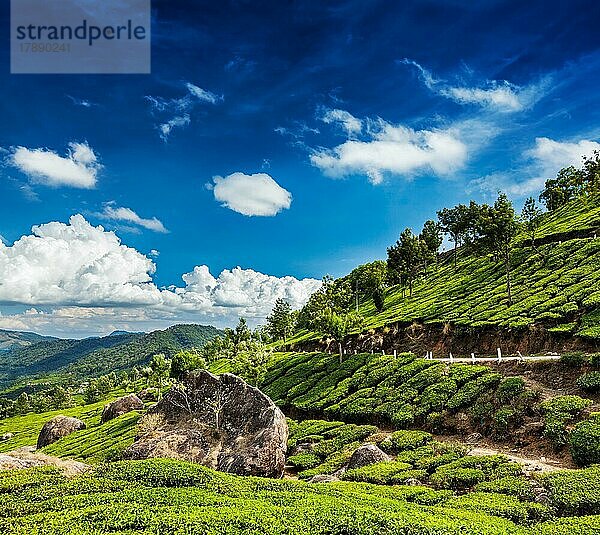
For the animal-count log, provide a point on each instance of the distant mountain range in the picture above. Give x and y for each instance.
(10, 340)
(28, 356)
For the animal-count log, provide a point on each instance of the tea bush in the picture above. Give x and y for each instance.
(584, 441)
(590, 382)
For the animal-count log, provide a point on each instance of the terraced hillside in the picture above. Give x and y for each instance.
(459, 399)
(555, 286)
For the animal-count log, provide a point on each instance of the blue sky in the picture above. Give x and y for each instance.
(359, 118)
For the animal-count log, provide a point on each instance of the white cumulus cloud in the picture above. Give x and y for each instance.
(78, 169)
(79, 279)
(394, 149)
(118, 213)
(251, 195)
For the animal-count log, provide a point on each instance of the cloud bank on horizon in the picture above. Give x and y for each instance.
(77, 270)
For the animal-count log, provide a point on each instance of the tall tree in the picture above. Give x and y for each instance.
(280, 323)
(369, 281)
(497, 228)
(558, 191)
(431, 237)
(530, 216)
(455, 222)
(405, 258)
(591, 173)
(338, 325)
(161, 367)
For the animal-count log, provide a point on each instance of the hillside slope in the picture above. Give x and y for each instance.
(556, 292)
(96, 356)
(11, 340)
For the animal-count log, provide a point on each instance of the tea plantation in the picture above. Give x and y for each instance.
(556, 285)
(161, 496)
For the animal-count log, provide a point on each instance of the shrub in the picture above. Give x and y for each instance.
(574, 492)
(503, 419)
(467, 394)
(500, 505)
(559, 412)
(574, 360)
(513, 485)
(590, 382)
(380, 473)
(405, 440)
(304, 461)
(509, 389)
(457, 478)
(585, 441)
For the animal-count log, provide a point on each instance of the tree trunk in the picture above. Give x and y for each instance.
(455, 252)
(508, 282)
(341, 351)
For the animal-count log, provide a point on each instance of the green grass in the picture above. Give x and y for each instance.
(170, 497)
(26, 428)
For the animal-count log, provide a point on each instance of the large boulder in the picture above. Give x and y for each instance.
(365, 455)
(220, 422)
(121, 406)
(58, 427)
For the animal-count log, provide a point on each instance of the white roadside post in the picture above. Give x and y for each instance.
(499, 355)
(473, 358)
(451, 358)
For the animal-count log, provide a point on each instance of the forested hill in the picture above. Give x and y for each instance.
(96, 356)
(555, 284)
(10, 340)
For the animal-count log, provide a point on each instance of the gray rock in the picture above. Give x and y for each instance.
(6, 436)
(220, 422)
(365, 455)
(323, 478)
(59, 427)
(121, 406)
(474, 438)
(148, 394)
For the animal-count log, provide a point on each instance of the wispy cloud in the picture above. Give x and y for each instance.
(176, 122)
(81, 102)
(541, 162)
(78, 168)
(180, 109)
(345, 119)
(497, 95)
(127, 215)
